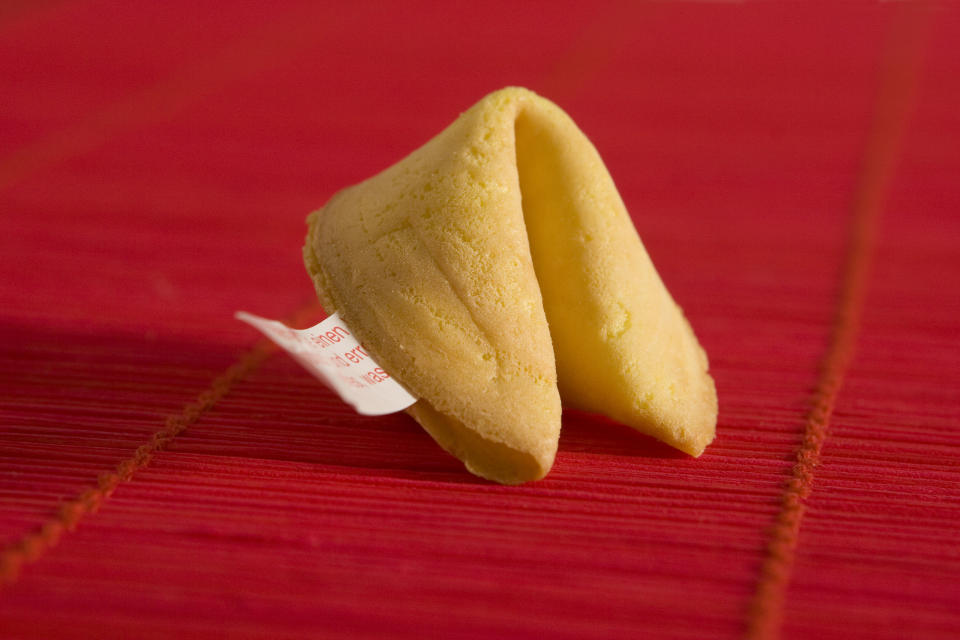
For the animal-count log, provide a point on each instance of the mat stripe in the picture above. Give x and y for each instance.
(897, 88)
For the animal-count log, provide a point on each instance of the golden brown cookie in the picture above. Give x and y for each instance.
(471, 264)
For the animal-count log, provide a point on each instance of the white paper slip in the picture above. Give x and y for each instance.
(331, 353)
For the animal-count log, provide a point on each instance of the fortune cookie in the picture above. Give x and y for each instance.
(494, 271)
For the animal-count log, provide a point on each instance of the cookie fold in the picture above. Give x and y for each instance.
(494, 270)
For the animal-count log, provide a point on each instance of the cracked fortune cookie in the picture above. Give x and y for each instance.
(495, 271)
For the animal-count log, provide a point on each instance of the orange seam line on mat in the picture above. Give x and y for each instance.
(33, 545)
(592, 49)
(897, 87)
(249, 54)
(14, 12)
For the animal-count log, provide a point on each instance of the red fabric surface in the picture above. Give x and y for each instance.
(792, 171)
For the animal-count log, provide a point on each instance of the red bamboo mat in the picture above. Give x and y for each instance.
(793, 172)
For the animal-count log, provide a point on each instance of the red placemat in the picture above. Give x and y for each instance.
(792, 171)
